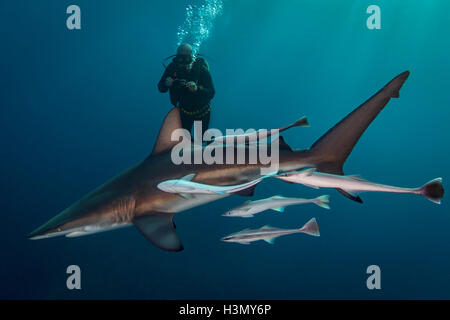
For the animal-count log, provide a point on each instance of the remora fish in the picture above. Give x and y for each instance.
(262, 134)
(432, 190)
(185, 186)
(277, 203)
(268, 233)
(133, 198)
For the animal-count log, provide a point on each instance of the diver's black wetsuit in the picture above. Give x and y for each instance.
(194, 106)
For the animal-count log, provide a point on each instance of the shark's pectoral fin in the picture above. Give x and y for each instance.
(159, 229)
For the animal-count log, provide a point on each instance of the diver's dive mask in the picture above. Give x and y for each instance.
(183, 59)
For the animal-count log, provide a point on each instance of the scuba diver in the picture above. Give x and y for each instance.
(190, 86)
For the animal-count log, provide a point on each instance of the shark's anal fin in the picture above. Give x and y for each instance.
(159, 229)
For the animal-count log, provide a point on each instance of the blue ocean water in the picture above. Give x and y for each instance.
(79, 107)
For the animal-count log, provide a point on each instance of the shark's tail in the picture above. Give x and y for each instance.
(329, 153)
(302, 122)
(323, 201)
(433, 190)
(311, 228)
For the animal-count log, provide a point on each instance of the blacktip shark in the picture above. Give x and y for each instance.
(133, 198)
(269, 234)
(432, 190)
(261, 134)
(277, 203)
(187, 188)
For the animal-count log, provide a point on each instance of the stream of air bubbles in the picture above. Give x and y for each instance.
(198, 23)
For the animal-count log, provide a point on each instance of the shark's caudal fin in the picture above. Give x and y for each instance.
(159, 229)
(311, 228)
(332, 149)
(302, 122)
(171, 122)
(433, 190)
(323, 201)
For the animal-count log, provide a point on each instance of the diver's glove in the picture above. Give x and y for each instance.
(169, 82)
(192, 86)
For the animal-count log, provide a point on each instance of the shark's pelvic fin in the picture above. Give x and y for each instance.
(333, 148)
(159, 229)
(171, 122)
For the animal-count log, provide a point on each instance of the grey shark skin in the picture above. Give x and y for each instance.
(278, 203)
(133, 197)
(185, 186)
(432, 190)
(269, 234)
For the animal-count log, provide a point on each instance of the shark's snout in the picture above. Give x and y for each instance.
(44, 231)
(167, 187)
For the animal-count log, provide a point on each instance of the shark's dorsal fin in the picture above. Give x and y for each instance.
(171, 122)
(188, 177)
(159, 229)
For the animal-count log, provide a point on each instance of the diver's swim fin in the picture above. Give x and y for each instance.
(159, 229)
